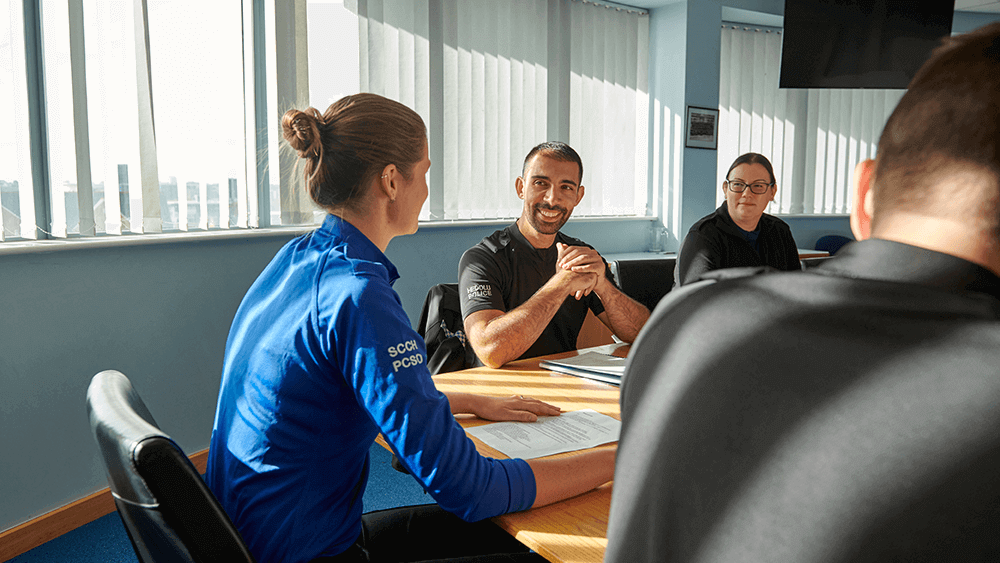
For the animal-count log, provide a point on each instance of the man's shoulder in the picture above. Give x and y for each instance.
(735, 282)
(495, 242)
(755, 294)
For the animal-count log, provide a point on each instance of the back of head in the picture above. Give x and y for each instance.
(938, 154)
(349, 144)
(556, 150)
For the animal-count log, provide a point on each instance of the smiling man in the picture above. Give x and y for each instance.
(526, 289)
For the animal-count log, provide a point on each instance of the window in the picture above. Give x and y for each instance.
(16, 190)
(127, 116)
(133, 117)
(196, 64)
(813, 137)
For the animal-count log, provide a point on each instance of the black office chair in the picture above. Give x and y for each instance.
(167, 509)
(645, 280)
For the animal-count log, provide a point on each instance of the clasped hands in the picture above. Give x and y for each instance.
(580, 267)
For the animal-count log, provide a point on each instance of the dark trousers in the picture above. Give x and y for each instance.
(428, 533)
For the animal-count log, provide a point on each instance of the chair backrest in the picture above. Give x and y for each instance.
(645, 280)
(169, 512)
(832, 243)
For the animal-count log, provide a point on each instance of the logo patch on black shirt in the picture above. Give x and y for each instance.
(479, 290)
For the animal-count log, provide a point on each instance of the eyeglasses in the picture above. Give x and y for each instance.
(756, 187)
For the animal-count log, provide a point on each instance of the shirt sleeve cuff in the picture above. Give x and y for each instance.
(522, 484)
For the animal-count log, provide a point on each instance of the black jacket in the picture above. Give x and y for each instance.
(715, 242)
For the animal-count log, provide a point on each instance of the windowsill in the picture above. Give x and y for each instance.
(111, 241)
(114, 241)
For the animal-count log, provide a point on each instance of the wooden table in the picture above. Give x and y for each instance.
(573, 530)
(806, 253)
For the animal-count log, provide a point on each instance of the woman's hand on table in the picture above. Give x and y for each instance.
(515, 407)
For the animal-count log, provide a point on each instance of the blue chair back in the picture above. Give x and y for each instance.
(832, 243)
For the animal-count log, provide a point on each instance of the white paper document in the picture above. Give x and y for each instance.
(570, 431)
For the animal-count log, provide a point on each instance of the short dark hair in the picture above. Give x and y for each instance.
(753, 158)
(350, 143)
(946, 125)
(556, 150)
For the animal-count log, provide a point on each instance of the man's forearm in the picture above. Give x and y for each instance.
(506, 337)
(626, 316)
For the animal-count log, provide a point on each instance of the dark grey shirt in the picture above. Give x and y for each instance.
(850, 412)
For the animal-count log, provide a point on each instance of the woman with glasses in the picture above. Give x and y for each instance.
(739, 233)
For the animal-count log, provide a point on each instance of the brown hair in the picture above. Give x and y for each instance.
(946, 126)
(349, 144)
(752, 158)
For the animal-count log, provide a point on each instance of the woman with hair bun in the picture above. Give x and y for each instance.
(321, 358)
(739, 233)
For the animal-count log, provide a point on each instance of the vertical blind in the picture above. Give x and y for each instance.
(493, 79)
(813, 137)
(609, 108)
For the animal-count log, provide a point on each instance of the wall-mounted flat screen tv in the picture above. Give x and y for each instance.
(859, 43)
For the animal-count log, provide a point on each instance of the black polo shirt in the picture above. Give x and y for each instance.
(504, 270)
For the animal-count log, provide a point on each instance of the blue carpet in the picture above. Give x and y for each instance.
(104, 540)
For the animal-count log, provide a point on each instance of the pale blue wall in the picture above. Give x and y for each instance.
(701, 89)
(159, 313)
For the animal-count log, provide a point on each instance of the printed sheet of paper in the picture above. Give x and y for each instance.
(570, 431)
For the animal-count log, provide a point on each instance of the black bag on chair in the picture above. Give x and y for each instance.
(443, 331)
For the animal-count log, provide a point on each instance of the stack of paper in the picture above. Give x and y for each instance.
(591, 365)
(568, 432)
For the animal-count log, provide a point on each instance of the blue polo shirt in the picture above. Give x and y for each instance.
(321, 358)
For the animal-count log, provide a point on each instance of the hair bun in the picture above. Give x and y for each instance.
(301, 130)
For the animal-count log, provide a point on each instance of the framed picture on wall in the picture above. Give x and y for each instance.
(702, 128)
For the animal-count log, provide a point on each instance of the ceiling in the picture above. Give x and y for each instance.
(984, 6)
(990, 6)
